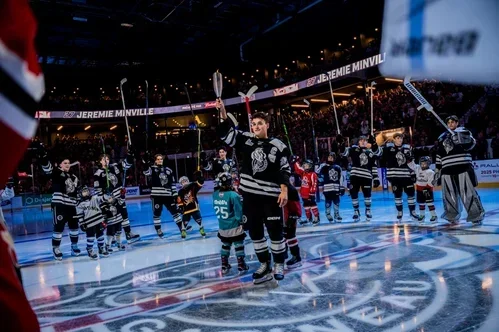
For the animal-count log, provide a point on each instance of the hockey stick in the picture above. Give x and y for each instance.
(314, 142)
(123, 81)
(107, 166)
(218, 87)
(199, 130)
(373, 83)
(287, 136)
(334, 105)
(147, 116)
(247, 97)
(424, 103)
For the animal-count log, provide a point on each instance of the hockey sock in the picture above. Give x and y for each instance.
(225, 249)
(278, 249)
(262, 250)
(239, 246)
(126, 225)
(90, 242)
(100, 241)
(110, 239)
(73, 236)
(411, 201)
(308, 214)
(315, 211)
(56, 239)
(180, 225)
(431, 207)
(157, 222)
(367, 202)
(421, 209)
(355, 203)
(336, 208)
(328, 207)
(398, 204)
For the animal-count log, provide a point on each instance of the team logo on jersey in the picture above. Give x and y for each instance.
(284, 161)
(259, 161)
(113, 210)
(400, 158)
(272, 154)
(448, 145)
(113, 179)
(363, 159)
(226, 167)
(188, 198)
(163, 179)
(394, 188)
(70, 185)
(156, 206)
(333, 174)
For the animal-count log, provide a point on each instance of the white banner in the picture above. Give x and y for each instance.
(132, 191)
(457, 39)
(487, 171)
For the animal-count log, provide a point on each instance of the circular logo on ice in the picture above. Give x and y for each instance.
(359, 281)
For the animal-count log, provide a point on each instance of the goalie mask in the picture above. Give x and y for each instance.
(424, 162)
(84, 193)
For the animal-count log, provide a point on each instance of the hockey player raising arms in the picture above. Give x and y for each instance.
(457, 175)
(333, 186)
(264, 186)
(308, 188)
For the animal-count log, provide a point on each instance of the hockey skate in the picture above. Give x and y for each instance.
(316, 221)
(330, 218)
(241, 265)
(103, 251)
(132, 237)
(356, 215)
(75, 251)
(399, 217)
(433, 219)
(119, 244)
(91, 253)
(303, 222)
(337, 217)
(57, 253)
(225, 265)
(293, 263)
(279, 271)
(202, 232)
(369, 215)
(263, 274)
(183, 234)
(415, 217)
(160, 233)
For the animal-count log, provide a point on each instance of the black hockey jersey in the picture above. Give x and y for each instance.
(64, 185)
(265, 166)
(113, 183)
(293, 195)
(363, 162)
(396, 159)
(453, 153)
(219, 166)
(188, 196)
(163, 181)
(332, 177)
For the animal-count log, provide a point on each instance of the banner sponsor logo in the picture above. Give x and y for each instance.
(311, 81)
(132, 191)
(30, 200)
(285, 90)
(487, 171)
(145, 191)
(210, 104)
(42, 115)
(69, 114)
(352, 68)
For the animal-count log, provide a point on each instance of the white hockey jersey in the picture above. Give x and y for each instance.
(424, 177)
(89, 212)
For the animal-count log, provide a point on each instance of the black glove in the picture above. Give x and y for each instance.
(340, 139)
(294, 159)
(413, 177)
(376, 183)
(83, 227)
(371, 139)
(342, 191)
(41, 153)
(202, 156)
(146, 157)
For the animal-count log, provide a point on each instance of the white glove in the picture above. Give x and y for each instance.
(7, 194)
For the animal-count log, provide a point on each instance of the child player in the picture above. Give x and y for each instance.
(188, 204)
(291, 214)
(229, 211)
(424, 187)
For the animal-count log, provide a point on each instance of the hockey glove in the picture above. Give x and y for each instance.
(413, 177)
(122, 193)
(83, 227)
(342, 191)
(376, 183)
(340, 139)
(436, 179)
(371, 139)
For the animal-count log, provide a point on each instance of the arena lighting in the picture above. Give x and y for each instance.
(113, 127)
(360, 87)
(342, 94)
(299, 106)
(127, 25)
(393, 79)
(87, 127)
(319, 100)
(59, 128)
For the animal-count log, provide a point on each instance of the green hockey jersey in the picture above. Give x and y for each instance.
(229, 211)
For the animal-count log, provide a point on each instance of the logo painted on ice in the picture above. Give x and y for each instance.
(364, 287)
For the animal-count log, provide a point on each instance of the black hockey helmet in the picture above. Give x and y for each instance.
(225, 181)
(425, 162)
(452, 117)
(83, 193)
(362, 137)
(308, 163)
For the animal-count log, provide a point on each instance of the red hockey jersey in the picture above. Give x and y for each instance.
(308, 181)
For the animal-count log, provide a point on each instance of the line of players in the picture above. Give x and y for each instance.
(453, 171)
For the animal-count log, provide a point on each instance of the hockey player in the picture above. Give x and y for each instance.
(397, 156)
(220, 165)
(364, 174)
(291, 214)
(164, 192)
(228, 209)
(456, 173)
(424, 187)
(188, 204)
(108, 179)
(308, 189)
(65, 190)
(333, 186)
(91, 220)
(264, 186)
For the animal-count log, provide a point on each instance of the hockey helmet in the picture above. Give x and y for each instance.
(452, 117)
(308, 165)
(425, 162)
(331, 155)
(184, 180)
(225, 180)
(84, 193)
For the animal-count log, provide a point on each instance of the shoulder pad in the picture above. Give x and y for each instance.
(389, 145)
(406, 146)
(168, 170)
(278, 144)
(245, 133)
(354, 146)
(99, 172)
